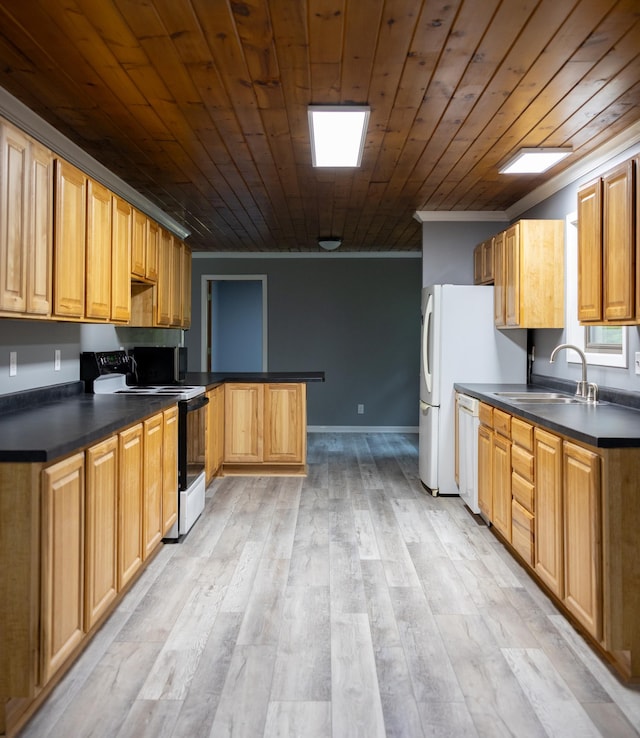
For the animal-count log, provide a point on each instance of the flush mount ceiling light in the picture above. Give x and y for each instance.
(329, 244)
(533, 161)
(337, 134)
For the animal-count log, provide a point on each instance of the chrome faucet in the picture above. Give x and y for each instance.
(584, 389)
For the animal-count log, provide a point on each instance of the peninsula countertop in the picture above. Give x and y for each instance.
(604, 425)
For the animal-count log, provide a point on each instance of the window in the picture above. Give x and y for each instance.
(602, 345)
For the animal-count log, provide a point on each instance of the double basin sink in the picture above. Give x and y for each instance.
(544, 398)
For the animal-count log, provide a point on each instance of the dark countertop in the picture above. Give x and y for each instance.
(51, 430)
(605, 425)
(50, 422)
(211, 379)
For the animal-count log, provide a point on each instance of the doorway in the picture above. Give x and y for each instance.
(234, 311)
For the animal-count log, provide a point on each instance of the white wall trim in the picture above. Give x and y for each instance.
(362, 429)
(460, 216)
(307, 255)
(23, 117)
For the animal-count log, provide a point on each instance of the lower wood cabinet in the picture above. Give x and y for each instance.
(101, 548)
(501, 460)
(265, 426)
(214, 454)
(75, 541)
(63, 559)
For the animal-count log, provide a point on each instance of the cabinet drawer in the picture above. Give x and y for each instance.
(522, 491)
(522, 532)
(501, 422)
(522, 434)
(522, 463)
(485, 414)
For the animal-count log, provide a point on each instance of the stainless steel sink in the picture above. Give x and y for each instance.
(544, 398)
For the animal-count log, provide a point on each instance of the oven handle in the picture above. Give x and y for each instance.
(195, 403)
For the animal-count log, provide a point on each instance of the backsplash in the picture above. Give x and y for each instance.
(35, 344)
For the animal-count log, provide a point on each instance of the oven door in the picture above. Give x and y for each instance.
(191, 439)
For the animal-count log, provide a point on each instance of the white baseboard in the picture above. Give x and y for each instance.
(362, 429)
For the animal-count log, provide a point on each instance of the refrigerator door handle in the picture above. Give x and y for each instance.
(428, 315)
(424, 405)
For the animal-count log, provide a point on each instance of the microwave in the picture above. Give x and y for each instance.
(160, 364)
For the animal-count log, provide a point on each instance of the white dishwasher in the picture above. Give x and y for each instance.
(468, 423)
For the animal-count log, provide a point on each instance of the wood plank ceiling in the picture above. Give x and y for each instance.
(201, 105)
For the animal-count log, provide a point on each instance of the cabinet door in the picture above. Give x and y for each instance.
(186, 286)
(549, 553)
(62, 561)
(583, 536)
(477, 264)
(153, 249)
(40, 248)
(98, 280)
(499, 294)
(152, 531)
(164, 278)
(14, 218)
(285, 423)
(243, 416)
(139, 245)
(69, 240)
(485, 471)
(122, 218)
(590, 252)
(512, 275)
(169, 468)
(101, 562)
(130, 550)
(487, 262)
(501, 457)
(175, 300)
(618, 243)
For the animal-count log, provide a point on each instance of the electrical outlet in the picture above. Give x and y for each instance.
(56, 361)
(637, 362)
(13, 363)
(360, 409)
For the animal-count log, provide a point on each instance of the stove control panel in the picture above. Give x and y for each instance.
(94, 364)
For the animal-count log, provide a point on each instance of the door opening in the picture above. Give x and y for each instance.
(234, 311)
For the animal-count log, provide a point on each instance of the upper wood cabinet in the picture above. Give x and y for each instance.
(70, 224)
(185, 292)
(483, 272)
(608, 289)
(121, 236)
(98, 252)
(144, 248)
(26, 224)
(529, 275)
(164, 293)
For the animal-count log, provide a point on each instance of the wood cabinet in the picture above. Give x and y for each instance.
(185, 291)
(607, 279)
(152, 530)
(582, 515)
(144, 248)
(130, 498)
(101, 549)
(69, 241)
(522, 490)
(265, 426)
(26, 224)
(529, 275)
(549, 549)
(121, 236)
(214, 432)
(483, 272)
(164, 307)
(485, 471)
(175, 282)
(62, 580)
(98, 252)
(169, 468)
(501, 461)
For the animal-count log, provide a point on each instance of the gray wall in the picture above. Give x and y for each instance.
(357, 319)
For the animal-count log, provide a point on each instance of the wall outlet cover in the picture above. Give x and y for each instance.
(637, 362)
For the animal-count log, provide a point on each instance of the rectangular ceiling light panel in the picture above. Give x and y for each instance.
(337, 134)
(533, 161)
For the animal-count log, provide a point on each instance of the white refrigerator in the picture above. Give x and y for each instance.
(459, 344)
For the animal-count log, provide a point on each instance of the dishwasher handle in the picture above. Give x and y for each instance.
(468, 404)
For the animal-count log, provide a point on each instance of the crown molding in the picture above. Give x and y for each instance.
(462, 216)
(259, 255)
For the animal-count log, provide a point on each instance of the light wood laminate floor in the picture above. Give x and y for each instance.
(348, 603)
